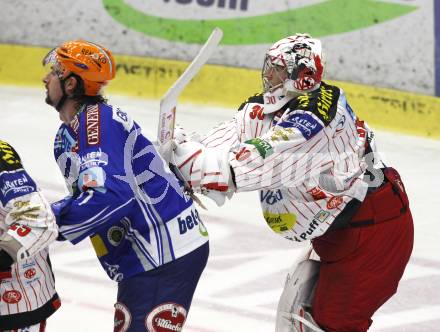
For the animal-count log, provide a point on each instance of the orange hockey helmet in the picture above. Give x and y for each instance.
(93, 63)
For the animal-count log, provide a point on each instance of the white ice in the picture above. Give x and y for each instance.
(239, 289)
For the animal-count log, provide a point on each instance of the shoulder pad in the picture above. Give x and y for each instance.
(9, 158)
(322, 102)
(257, 99)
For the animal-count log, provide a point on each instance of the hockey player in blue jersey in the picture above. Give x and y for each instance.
(145, 230)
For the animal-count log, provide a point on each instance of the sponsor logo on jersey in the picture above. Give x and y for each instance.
(123, 118)
(305, 123)
(17, 184)
(99, 245)
(30, 273)
(28, 265)
(190, 221)
(280, 222)
(334, 202)
(318, 219)
(93, 159)
(322, 103)
(113, 272)
(122, 318)
(21, 204)
(317, 193)
(12, 296)
(322, 216)
(93, 177)
(166, 317)
(65, 141)
(325, 101)
(339, 126)
(243, 154)
(263, 147)
(31, 213)
(115, 234)
(93, 125)
(282, 134)
(271, 197)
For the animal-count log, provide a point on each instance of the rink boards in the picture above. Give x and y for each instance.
(229, 86)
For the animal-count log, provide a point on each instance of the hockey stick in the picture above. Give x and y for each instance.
(168, 103)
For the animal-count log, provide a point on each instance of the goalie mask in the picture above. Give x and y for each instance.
(293, 64)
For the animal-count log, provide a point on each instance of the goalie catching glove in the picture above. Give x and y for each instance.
(204, 170)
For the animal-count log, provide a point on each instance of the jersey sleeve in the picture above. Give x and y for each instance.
(101, 195)
(294, 149)
(27, 215)
(230, 133)
(224, 134)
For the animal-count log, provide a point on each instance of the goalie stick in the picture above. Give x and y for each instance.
(168, 103)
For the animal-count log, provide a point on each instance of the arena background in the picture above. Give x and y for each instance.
(382, 52)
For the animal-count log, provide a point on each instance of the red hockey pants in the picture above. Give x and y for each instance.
(362, 266)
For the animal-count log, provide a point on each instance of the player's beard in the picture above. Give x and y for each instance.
(49, 100)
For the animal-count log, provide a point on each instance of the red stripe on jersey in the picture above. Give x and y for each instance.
(224, 140)
(212, 136)
(35, 295)
(44, 276)
(41, 295)
(189, 158)
(23, 290)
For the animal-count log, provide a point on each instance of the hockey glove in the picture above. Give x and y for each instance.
(204, 170)
(179, 137)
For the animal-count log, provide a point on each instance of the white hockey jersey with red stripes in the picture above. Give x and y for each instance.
(27, 289)
(306, 159)
(30, 283)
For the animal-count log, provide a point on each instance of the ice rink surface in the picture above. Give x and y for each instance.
(239, 289)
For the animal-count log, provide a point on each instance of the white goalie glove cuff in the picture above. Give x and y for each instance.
(204, 170)
(179, 136)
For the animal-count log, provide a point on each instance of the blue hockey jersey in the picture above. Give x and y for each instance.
(123, 195)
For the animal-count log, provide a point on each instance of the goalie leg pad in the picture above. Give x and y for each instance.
(294, 306)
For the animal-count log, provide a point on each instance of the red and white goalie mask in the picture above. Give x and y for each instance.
(294, 64)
